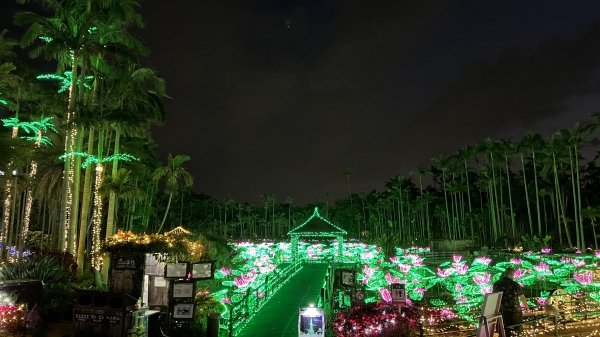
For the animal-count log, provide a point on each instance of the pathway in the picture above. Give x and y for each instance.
(279, 316)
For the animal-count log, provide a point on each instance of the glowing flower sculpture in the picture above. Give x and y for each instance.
(584, 278)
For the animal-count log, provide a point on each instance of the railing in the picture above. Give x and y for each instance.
(243, 311)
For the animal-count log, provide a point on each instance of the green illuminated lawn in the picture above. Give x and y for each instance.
(279, 317)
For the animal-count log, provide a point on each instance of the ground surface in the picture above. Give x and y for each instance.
(279, 316)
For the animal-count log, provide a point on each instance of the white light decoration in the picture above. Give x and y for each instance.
(97, 220)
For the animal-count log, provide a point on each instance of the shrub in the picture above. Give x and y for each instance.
(37, 267)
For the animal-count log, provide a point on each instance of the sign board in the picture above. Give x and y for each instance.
(490, 320)
(203, 270)
(176, 270)
(347, 278)
(359, 297)
(183, 311)
(398, 293)
(122, 263)
(311, 322)
(183, 290)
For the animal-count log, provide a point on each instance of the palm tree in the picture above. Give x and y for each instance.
(592, 213)
(289, 201)
(172, 174)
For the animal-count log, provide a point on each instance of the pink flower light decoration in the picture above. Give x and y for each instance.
(578, 263)
(520, 273)
(405, 268)
(483, 260)
(369, 271)
(394, 259)
(225, 271)
(442, 273)
(459, 287)
(565, 259)
(385, 294)
(225, 300)
(597, 253)
(244, 280)
(388, 278)
(584, 278)
(461, 269)
(516, 261)
(546, 250)
(542, 267)
(578, 251)
(457, 258)
(542, 301)
(482, 279)
(461, 299)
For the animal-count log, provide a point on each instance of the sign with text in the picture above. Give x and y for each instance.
(122, 263)
(398, 293)
(97, 318)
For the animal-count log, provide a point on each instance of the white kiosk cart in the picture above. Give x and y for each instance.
(311, 322)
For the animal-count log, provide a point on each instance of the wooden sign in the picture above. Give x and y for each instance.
(122, 263)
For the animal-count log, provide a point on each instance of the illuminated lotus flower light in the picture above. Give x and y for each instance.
(225, 271)
(244, 280)
(597, 253)
(542, 301)
(385, 294)
(462, 299)
(584, 278)
(420, 290)
(388, 278)
(482, 279)
(226, 300)
(520, 273)
(447, 314)
(368, 271)
(528, 252)
(516, 261)
(546, 250)
(483, 260)
(394, 259)
(565, 259)
(405, 268)
(266, 269)
(442, 273)
(541, 267)
(461, 269)
(578, 263)
(459, 287)
(578, 251)
(457, 258)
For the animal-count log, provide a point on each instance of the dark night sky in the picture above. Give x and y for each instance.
(280, 97)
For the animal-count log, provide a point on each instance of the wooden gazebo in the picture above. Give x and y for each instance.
(317, 226)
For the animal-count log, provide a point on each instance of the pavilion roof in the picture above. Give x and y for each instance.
(317, 225)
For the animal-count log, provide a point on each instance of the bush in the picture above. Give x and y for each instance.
(36, 267)
(58, 301)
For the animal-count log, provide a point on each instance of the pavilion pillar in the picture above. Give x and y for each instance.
(294, 247)
(340, 247)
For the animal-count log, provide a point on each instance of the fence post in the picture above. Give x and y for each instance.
(556, 326)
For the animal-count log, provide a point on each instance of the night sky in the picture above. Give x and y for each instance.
(280, 97)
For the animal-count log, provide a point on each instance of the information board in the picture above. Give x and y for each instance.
(122, 263)
(398, 293)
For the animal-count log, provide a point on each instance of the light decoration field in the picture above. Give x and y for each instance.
(451, 291)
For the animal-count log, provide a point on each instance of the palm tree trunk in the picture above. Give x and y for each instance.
(166, 212)
(74, 221)
(85, 208)
(67, 194)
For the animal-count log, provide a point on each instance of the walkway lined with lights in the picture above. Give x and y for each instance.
(279, 316)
